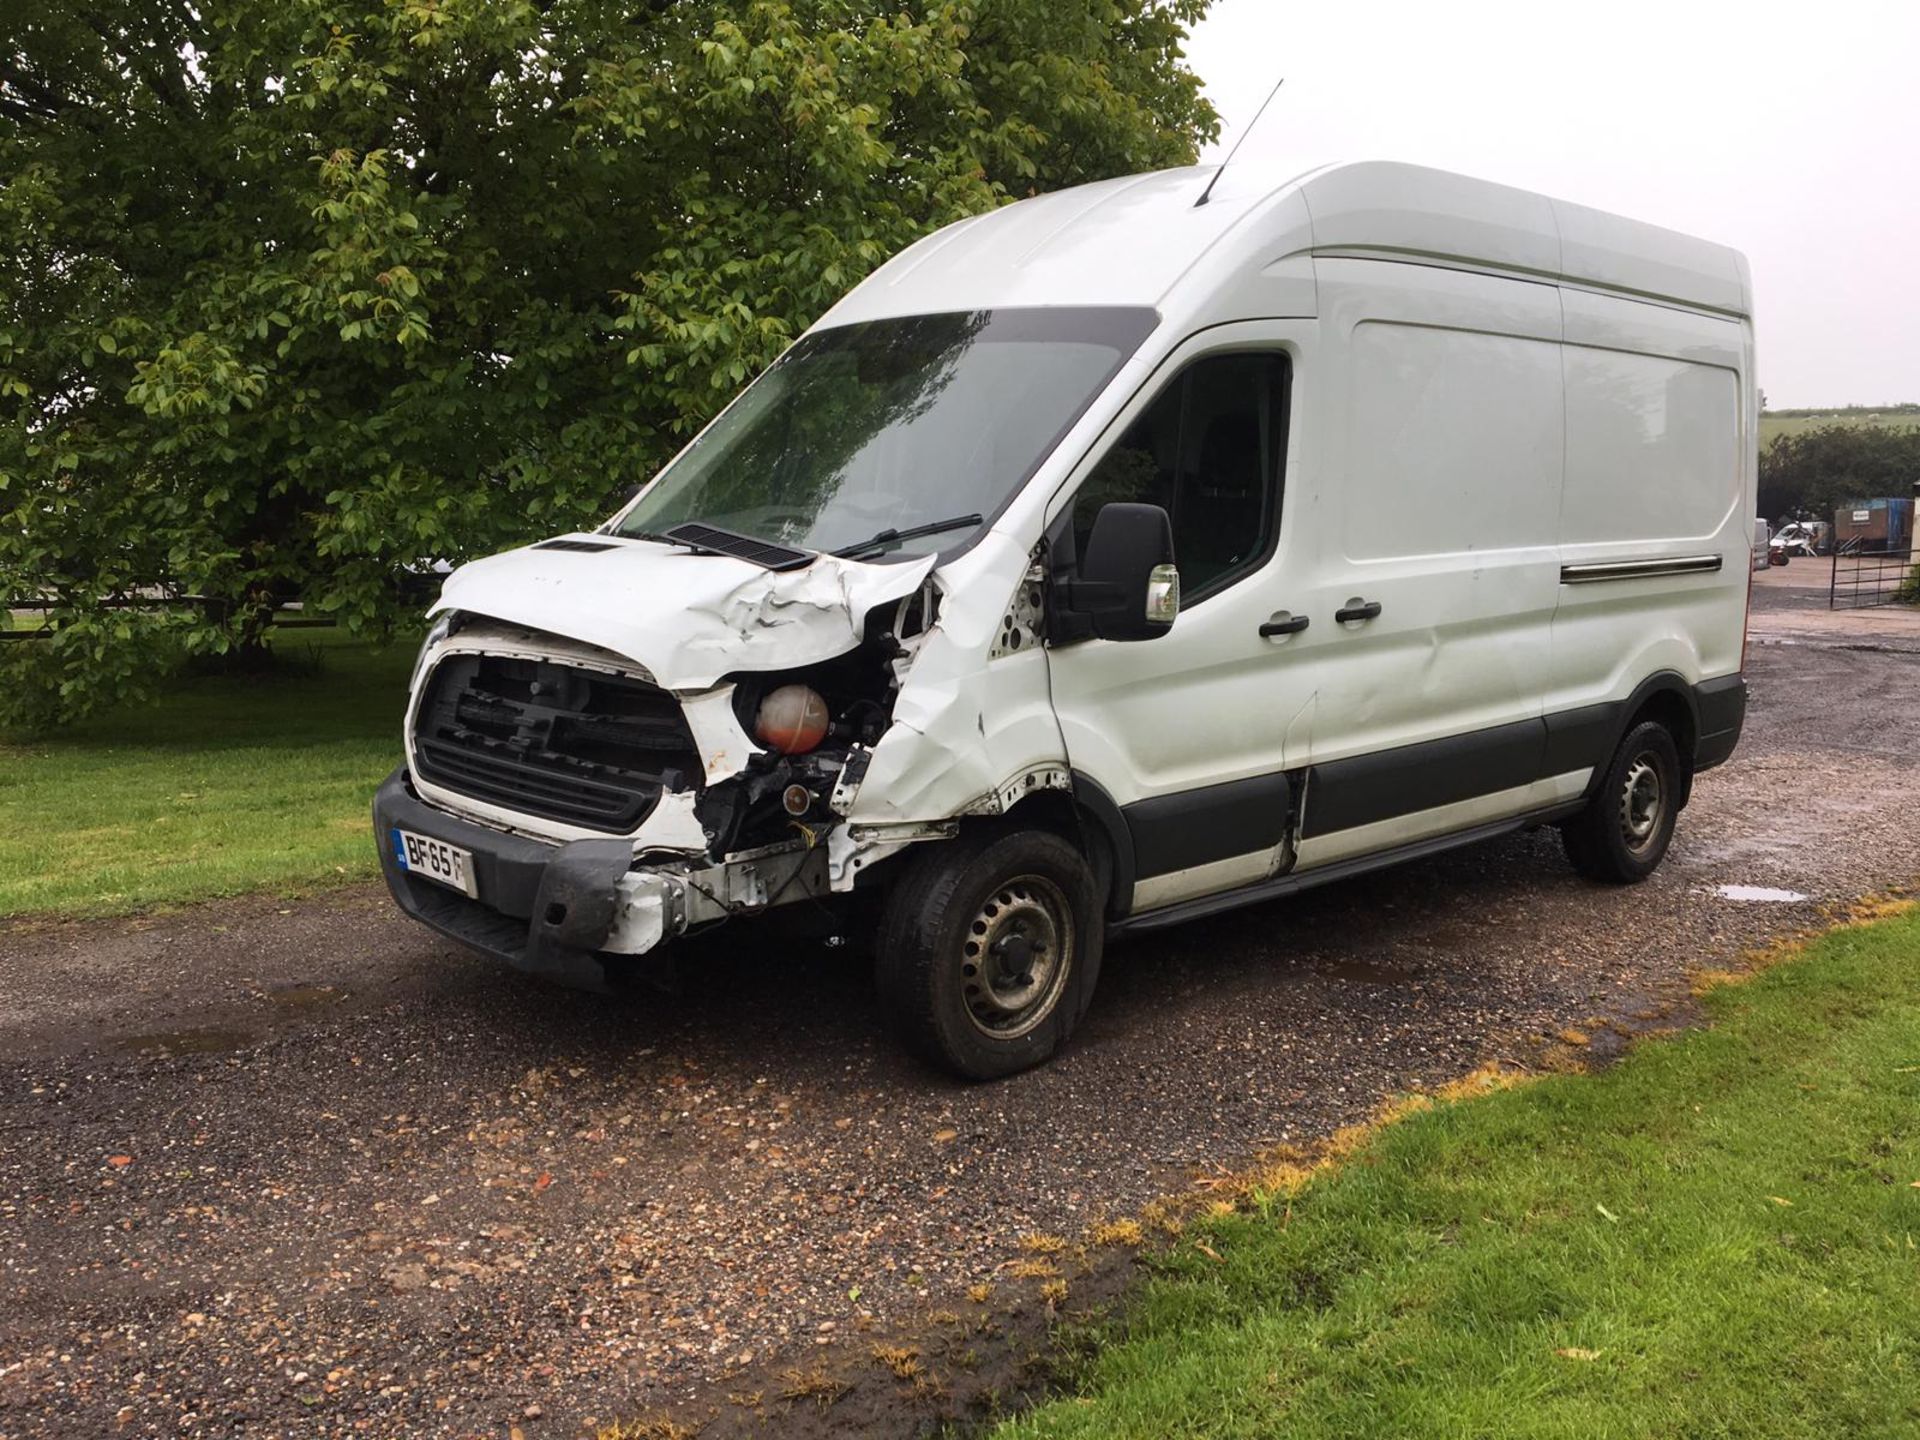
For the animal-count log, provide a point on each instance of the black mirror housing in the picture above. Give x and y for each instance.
(1125, 586)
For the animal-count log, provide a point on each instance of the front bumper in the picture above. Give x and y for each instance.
(564, 912)
(579, 912)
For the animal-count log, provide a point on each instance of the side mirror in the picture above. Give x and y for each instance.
(1127, 586)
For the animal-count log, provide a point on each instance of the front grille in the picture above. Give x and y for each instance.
(552, 740)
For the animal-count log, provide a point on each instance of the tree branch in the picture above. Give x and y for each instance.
(165, 86)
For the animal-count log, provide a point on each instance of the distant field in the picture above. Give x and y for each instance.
(1792, 422)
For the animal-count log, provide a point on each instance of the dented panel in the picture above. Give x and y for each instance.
(689, 619)
(725, 747)
(968, 724)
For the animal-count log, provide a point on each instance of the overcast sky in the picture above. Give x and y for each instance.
(1789, 131)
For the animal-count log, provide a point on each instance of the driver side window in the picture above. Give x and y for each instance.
(1211, 452)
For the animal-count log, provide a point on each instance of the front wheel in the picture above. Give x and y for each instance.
(1623, 834)
(989, 949)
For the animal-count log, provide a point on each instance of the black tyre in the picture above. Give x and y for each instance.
(1623, 834)
(989, 948)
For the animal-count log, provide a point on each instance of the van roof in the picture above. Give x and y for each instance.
(1139, 239)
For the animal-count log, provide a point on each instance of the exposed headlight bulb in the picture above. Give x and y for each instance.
(792, 719)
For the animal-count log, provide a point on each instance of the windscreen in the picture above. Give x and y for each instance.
(894, 426)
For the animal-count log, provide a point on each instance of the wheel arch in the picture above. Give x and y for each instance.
(1088, 817)
(1666, 697)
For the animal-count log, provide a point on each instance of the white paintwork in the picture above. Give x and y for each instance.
(1156, 891)
(1487, 384)
(685, 618)
(1639, 483)
(723, 745)
(645, 911)
(1197, 708)
(1439, 409)
(1139, 241)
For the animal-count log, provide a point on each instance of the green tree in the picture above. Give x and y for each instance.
(1814, 472)
(298, 294)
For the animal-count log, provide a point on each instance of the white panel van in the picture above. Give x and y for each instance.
(1110, 560)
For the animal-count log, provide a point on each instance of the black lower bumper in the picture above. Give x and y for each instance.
(1722, 707)
(545, 909)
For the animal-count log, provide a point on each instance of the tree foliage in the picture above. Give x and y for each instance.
(296, 294)
(1812, 473)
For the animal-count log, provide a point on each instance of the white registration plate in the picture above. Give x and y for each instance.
(433, 859)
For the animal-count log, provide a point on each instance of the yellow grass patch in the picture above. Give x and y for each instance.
(651, 1428)
(1283, 1171)
(902, 1360)
(813, 1384)
(1032, 1269)
(1481, 1080)
(1884, 905)
(1117, 1232)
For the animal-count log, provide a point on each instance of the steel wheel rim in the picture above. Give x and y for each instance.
(1643, 802)
(1016, 957)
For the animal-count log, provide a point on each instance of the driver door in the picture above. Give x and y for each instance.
(1185, 733)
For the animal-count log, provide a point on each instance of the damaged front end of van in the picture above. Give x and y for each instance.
(803, 649)
(584, 783)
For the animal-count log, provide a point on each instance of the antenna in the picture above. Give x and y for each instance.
(1204, 194)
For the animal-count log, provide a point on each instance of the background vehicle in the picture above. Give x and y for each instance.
(1112, 559)
(1797, 538)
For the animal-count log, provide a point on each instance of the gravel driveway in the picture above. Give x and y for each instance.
(305, 1169)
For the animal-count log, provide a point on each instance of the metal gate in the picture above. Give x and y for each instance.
(1864, 577)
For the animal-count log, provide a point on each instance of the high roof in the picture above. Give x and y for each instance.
(1140, 240)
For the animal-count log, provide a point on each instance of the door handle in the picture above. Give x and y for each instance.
(1365, 610)
(1292, 625)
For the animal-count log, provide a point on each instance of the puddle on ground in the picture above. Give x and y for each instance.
(205, 1040)
(305, 997)
(1758, 892)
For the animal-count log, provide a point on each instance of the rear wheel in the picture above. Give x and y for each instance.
(988, 950)
(1623, 834)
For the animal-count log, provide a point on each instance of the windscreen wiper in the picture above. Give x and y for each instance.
(886, 539)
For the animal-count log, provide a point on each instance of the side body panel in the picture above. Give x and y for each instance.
(1545, 491)
(1660, 476)
(1442, 406)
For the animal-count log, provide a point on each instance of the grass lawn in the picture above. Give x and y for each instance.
(221, 785)
(1717, 1237)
